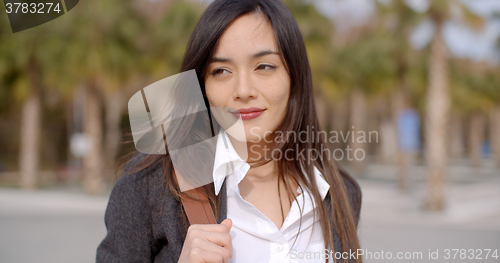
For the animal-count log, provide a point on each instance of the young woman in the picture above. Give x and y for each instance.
(283, 204)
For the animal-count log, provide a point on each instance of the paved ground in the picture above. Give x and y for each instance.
(47, 226)
(61, 226)
(393, 221)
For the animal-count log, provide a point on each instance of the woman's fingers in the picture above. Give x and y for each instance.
(208, 243)
(208, 246)
(200, 255)
(228, 223)
(209, 227)
(220, 239)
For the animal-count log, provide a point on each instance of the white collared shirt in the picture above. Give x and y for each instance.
(255, 237)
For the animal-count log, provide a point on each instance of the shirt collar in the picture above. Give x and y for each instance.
(321, 183)
(227, 161)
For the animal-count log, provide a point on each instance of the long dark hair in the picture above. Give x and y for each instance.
(300, 116)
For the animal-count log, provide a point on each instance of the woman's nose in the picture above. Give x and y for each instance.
(244, 88)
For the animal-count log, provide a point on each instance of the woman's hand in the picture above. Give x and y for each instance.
(207, 243)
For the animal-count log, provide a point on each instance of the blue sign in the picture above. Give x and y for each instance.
(408, 126)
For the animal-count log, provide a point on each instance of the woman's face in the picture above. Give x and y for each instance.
(246, 74)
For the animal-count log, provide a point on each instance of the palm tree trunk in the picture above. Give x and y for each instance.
(357, 153)
(476, 137)
(322, 110)
(456, 137)
(388, 143)
(30, 132)
(495, 134)
(30, 140)
(339, 121)
(438, 103)
(373, 117)
(382, 151)
(114, 107)
(93, 162)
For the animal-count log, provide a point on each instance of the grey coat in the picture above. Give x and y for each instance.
(144, 223)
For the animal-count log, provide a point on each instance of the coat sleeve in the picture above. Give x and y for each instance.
(128, 222)
(354, 192)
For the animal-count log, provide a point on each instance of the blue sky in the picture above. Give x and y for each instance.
(462, 41)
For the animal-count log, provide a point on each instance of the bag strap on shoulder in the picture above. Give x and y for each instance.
(198, 210)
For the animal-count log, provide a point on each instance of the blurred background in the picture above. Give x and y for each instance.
(408, 91)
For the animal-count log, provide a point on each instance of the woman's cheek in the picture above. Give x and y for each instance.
(212, 97)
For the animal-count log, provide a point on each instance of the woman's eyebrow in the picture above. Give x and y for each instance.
(256, 55)
(218, 59)
(263, 53)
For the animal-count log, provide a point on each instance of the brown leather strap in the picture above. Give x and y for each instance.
(197, 211)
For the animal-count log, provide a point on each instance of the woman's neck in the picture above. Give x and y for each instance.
(255, 152)
(251, 151)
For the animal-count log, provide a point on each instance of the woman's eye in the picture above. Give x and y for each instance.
(266, 67)
(218, 71)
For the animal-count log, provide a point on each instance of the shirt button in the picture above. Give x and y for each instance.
(279, 248)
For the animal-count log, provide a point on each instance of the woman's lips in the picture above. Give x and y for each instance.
(248, 114)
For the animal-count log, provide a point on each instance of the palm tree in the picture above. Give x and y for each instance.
(492, 82)
(438, 101)
(105, 55)
(22, 53)
(495, 112)
(165, 30)
(473, 96)
(317, 31)
(398, 20)
(362, 69)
